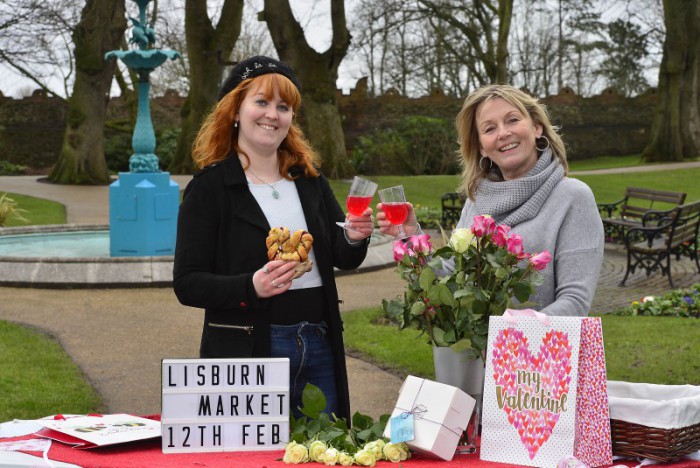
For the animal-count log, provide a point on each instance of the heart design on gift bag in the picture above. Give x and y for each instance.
(530, 388)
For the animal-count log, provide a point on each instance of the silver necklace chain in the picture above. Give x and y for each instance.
(275, 193)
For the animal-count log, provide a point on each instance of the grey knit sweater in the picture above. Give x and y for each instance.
(565, 222)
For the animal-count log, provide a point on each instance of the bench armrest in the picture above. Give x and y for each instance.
(648, 234)
(607, 209)
(657, 217)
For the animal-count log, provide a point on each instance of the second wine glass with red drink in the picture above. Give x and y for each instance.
(359, 197)
(395, 206)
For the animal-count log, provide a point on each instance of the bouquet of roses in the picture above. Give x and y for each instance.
(451, 292)
(317, 437)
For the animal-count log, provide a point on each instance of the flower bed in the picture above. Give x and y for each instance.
(676, 303)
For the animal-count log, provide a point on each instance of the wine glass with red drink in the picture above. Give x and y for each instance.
(395, 206)
(359, 198)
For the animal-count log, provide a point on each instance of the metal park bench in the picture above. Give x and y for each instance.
(651, 248)
(636, 209)
(452, 204)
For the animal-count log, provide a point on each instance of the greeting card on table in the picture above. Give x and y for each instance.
(99, 430)
(544, 392)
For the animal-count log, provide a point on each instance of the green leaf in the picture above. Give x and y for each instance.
(361, 421)
(313, 401)
(438, 335)
(417, 308)
(426, 278)
(394, 308)
(522, 291)
(462, 345)
(441, 294)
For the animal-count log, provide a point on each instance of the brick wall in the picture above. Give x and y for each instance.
(31, 129)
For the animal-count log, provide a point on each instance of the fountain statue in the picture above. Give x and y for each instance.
(143, 203)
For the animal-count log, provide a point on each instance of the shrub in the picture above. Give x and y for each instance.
(417, 145)
(428, 217)
(677, 303)
(8, 168)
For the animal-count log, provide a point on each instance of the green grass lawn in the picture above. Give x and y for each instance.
(660, 350)
(37, 211)
(38, 378)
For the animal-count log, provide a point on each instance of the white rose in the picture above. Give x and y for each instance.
(330, 456)
(461, 239)
(295, 453)
(316, 450)
(365, 458)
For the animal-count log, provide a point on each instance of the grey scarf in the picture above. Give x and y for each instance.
(511, 202)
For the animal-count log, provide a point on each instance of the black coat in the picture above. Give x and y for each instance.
(220, 244)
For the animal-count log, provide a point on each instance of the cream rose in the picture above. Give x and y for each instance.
(395, 452)
(461, 239)
(330, 456)
(365, 458)
(375, 448)
(295, 453)
(316, 450)
(345, 459)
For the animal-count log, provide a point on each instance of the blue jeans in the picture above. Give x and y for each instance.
(310, 361)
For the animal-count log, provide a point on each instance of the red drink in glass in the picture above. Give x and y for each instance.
(396, 213)
(357, 205)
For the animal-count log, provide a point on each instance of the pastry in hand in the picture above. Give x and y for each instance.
(290, 246)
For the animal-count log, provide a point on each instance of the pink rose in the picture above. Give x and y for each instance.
(539, 261)
(400, 249)
(501, 235)
(514, 244)
(421, 243)
(483, 225)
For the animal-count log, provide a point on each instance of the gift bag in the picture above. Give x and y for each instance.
(545, 394)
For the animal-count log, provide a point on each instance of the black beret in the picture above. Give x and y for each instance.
(252, 67)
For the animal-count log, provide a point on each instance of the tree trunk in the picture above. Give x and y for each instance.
(206, 47)
(101, 28)
(317, 73)
(675, 131)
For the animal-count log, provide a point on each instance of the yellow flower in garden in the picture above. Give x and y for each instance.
(316, 450)
(295, 453)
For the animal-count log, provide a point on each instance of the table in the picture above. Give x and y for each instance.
(149, 454)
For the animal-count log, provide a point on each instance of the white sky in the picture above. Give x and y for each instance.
(313, 15)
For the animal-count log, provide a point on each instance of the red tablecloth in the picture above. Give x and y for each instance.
(149, 454)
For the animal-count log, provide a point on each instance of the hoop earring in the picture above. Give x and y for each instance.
(482, 159)
(545, 139)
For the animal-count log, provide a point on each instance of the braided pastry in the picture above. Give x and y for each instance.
(283, 245)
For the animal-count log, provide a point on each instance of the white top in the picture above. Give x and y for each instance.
(286, 211)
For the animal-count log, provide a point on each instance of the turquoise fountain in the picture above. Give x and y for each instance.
(143, 203)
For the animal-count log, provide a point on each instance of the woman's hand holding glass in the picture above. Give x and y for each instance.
(395, 216)
(359, 227)
(409, 226)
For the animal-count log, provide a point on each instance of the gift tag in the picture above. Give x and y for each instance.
(402, 428)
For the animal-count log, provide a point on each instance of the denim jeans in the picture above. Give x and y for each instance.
(310, 360)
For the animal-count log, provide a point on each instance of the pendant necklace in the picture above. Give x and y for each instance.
(275, 193)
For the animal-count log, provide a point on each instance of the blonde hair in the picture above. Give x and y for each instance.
(218, 137)
(468, 135)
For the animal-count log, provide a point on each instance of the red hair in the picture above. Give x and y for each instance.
(218, 137)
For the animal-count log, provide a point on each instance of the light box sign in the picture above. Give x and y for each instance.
(225, 405)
